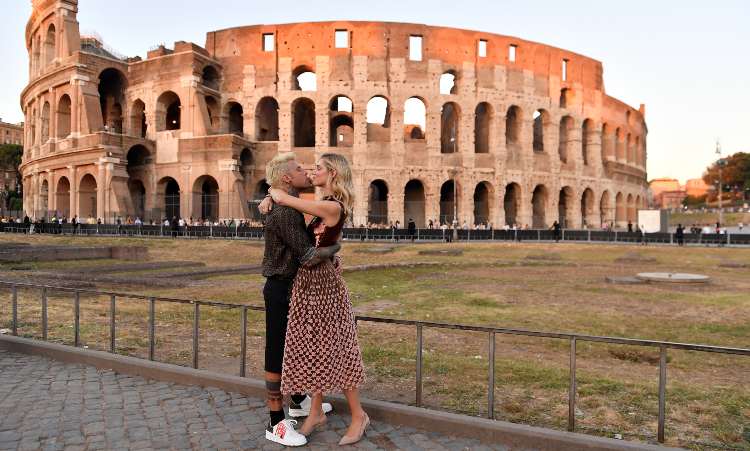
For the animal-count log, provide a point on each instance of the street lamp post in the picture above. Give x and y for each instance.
(720, 163)
(454, 174)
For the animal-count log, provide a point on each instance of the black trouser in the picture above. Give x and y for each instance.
(277, 294)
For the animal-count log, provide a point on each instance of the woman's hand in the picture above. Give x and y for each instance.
(277, 195)
(265, 206)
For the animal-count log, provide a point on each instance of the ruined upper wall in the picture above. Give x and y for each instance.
(302, 42)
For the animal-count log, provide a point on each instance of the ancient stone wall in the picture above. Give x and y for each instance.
(524, 134)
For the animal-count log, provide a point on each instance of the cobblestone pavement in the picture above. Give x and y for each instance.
(45, 404)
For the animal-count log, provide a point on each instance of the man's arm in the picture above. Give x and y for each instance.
(292, 232)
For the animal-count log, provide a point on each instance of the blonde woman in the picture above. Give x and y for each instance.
(322, 352)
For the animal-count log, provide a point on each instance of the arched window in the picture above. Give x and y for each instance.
(565, 206)
(539, 200)
(414, 202)
(449, 116)
(482, 121)
(448, 83)
(304, 79)
(587, 130)
(63, 117)
(377, 208)
(246, 161)
(513, 126)
(620, 152)
(448, 202)
(587, 209)
(378, 119)
(112, 84)
(45, 122)
(169, 112)
(303, 122)
(512, 203)
(607, 149)
(206, 195)
(415, 118)
(267, 120)
(50, 45)
(482, 196)
(236, 120)
(341, 123)
(87, 197)
(210, 78)
(138, 124)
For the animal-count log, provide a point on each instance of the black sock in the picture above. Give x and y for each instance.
(277, 416)
(297, 399)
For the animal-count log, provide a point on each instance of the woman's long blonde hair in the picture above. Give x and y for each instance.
(342, 186)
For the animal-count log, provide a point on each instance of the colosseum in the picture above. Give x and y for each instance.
(435, 121)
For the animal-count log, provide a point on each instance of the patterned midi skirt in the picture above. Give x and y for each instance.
(321, 354)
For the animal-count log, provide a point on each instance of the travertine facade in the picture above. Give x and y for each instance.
(527, 131)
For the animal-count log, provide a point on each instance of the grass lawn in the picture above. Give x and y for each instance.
(493, 284)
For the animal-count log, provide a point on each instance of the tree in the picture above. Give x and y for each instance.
(10, 159)
(735, 171)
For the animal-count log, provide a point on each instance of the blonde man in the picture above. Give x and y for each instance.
(288, 246)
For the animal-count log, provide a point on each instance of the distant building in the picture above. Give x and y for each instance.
(696, 188)
(11, 133)
(668, 193)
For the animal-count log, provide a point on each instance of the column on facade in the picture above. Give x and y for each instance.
(73, 179)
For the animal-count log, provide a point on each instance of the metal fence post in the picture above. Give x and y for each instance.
(662, 391)
(491, 376)
(44, 314)
(243, 342)
(196, 320)
(14, 306)
(572, 387)
(151, 327)
(112, 324)
(77, 314)
(419, 365)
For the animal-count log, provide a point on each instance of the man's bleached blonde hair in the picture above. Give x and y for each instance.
(278, 167)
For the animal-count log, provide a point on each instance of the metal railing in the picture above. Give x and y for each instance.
(419, 326)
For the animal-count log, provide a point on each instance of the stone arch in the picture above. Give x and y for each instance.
(169, 197)
(378, 119)
(450, 115)
(541, 124)
(539, 202)
(341, 122)
(483, 195)
(414, 202)
(303, 122)
(608, 151)
(482, 123)
(449, 82)
(512, 203)
(377, 205)
(267, 120)
(513, 122)
(450, 196)
(587, 135)
(44, 200)
(630, 151)
(631, 213)
(639, 158)
(87, 188)
(415, 118)
(206, 198)
(112, 85)
(62, 196)
(45, 122)
(138, 124)
(235, 117)
(304, 79)
(50, 45)
(168, 112)
(565, 138)
(63, 116)
(210, 77)
(620, 210)
(261, 189)
(565, 206)
(587, 208)
(605, 209)
(36, 51)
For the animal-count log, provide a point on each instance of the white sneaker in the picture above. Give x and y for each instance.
(283, 433)
(303, 409)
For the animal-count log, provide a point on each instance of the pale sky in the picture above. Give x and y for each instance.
(688, 61)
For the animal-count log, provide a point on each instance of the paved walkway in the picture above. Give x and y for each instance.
(45, 404)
